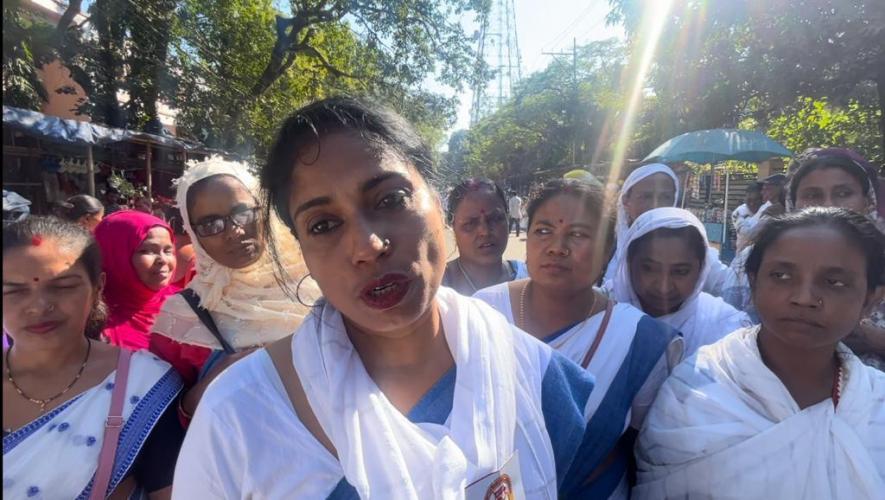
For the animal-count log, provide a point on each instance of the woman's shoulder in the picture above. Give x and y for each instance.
(494, 293)
(245, 383)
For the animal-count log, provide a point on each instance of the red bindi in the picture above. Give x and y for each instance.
(36, 240)
(36, 280)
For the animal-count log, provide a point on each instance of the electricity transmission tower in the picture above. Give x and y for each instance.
(498, 46)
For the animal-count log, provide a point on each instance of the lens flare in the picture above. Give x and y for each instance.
(651, 27)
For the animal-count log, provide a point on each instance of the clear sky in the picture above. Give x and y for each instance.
(549, 26)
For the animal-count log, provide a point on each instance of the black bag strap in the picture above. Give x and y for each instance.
(193, 300)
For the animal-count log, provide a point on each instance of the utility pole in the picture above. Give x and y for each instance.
(572, 114)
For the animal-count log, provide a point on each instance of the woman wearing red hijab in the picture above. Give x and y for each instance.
(138, 258)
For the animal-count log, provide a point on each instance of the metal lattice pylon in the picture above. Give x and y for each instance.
(498, 46)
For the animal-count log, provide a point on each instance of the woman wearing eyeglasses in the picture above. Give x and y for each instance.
(233, 304)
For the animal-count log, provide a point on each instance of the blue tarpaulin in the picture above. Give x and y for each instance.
(60, 130)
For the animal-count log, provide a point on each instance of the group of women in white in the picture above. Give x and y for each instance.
(410, 377)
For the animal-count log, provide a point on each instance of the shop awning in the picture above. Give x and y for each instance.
(65, 131)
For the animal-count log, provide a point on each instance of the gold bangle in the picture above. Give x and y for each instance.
(182, 411)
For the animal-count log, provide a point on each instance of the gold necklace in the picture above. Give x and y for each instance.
(522, 295)
(44, 402)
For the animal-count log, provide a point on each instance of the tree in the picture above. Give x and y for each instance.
(724, 60)
(552, 120)
(815, 123)
(222, 48)
(380, 48)
(26, 46)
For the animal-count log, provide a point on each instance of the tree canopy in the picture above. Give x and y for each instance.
(234, 69)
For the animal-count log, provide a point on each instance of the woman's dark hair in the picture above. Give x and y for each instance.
(754, 187)
(72, 237)
(173, 218)
(383, 130)
(856, 228)
(689, 234)
(820, 160)
(79, 205)
(460, 191)
(590, 195)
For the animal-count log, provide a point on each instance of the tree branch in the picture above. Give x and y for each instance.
(69, 14)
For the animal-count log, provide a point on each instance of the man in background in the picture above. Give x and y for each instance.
(514, 207)
(752, 202)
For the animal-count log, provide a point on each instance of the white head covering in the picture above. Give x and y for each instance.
(702, 318)
(623, 220)
(247, 305)
(634, 178)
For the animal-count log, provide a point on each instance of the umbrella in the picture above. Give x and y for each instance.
(716, 145)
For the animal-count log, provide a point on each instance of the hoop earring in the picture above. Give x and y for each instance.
(298, 293)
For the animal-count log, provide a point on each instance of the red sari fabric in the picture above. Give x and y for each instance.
(132, 306)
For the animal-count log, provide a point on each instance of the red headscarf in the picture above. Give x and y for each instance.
(132, 306)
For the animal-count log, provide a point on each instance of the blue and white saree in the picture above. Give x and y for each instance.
(56, 455)
(630, 364)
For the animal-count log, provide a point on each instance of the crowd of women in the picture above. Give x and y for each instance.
(301, 335)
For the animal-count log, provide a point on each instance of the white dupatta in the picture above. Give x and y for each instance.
(725, 426)
(497, 408)
(702, 318)
(248, 305)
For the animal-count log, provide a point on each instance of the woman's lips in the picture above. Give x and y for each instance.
(386, 292)
(802, 322)
(555, 268)
(44, 327)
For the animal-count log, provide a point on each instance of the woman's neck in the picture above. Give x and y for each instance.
(31, 360)
(482, 275)
(548, 310)
(421, 344)
(808, 374)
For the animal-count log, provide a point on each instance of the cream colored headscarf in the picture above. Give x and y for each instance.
(247, 305)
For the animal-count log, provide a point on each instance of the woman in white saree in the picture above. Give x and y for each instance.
(628, 352)
(393, 387)
(782, 410)
(59, 380)
(663, 263)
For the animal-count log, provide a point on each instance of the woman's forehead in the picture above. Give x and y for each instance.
(344, 163)
(655, 181)
(49, 257)
(829, 176)
(832, 248)
(565, 208)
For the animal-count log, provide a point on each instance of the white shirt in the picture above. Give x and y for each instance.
(515, 207)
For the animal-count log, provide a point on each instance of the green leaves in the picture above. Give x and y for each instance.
(547, 118)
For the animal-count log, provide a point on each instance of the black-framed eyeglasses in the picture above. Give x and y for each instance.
(217, 225)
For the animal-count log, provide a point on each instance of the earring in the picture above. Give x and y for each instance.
(298, 293)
